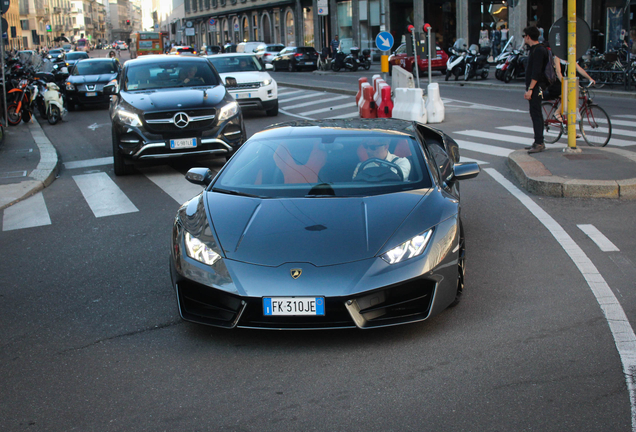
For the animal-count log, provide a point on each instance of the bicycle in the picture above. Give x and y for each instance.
(594, 123)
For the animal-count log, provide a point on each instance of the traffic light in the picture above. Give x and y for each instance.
(127, 22)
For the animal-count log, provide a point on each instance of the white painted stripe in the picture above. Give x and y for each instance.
(619, 325)
(287, 91)
(512, 139)
(316, 102)
(333, 108)
(353, 114)
(307, 96)
(597, 237)
(89, 163)
(102, 195)
(294, 115)
(172, 182)
(625, 116)
(483, 148)
(613, 141)
(467, 159)
(617, 122)
(29, 213)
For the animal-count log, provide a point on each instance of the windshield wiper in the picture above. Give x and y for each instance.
(233, 192)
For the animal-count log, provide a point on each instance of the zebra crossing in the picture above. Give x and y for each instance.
(106, 195)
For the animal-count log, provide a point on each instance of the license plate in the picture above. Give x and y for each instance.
(243, 95)
(183, 143)
(89, 94)
(273, 306)
(309, 63)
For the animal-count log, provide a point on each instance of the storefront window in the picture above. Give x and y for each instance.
(226, 32)
(308, 27)
(369, 22)
(276, 26)
(255, 24)
(246, 30)
(236, 28)
(290, 37)
(345, 26)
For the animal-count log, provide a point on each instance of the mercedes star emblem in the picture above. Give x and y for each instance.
(181, 120)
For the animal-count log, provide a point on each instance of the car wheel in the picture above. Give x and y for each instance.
(121, 168)
(273, 112)
(274, 66)
(291, 67)
(461, 266)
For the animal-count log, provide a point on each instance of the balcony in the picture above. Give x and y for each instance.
(57, 10)
(58, 27)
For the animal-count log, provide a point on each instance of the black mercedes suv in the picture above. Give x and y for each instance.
(171, 106)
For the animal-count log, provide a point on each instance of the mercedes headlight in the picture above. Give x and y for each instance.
(128, 118)
(267, 82)
(228, 111)
(198, 250)
(409, 249)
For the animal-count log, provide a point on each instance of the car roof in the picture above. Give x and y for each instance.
(232, 55)
(154, 59)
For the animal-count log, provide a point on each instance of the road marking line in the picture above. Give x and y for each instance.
(285, 92)
(467, 159)
(294, 115)
(597, 237)
(31, 212)
(316, 102)
(619, 325)
(612, 141)
(103, 196)
(512, 139)
(333, 108)
(484, 148)
(172, 182)
(89, 163)
(307, 96)
(625, 116)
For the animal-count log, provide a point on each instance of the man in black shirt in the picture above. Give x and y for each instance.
(535, 82)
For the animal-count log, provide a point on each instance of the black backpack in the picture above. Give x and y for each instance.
(549, 72)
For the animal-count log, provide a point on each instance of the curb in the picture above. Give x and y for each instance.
(43, 175)
(537, 179)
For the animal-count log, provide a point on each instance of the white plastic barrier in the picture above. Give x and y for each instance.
(409, 104)
(434, 105)
(401, 78)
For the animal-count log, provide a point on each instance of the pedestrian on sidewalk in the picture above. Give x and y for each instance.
(335, 46)
(535, 83)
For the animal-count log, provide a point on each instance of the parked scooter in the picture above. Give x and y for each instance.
(501, 59)
(477, 62)
(456, 61)
(365, 60)
(344, 61)
(516, 66)
(54, 102)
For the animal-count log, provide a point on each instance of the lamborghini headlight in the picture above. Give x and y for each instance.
(198, 250)
(128, 118)
(228, 111)
(409, 249)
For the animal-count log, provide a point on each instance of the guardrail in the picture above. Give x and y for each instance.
(614, 77)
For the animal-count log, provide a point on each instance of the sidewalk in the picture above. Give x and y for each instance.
(28, 163)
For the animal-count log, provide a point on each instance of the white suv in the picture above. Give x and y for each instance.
(254, 87)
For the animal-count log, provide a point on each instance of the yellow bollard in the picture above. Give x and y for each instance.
(384, 63)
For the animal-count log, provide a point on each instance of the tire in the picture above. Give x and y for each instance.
(461, 266)
(457, 72)
(448, 74)
(595, 126)
(334, 67)
(54, 114)
(367, 65)
(26, 115)
(274, 66)
(552, 128)
(291, 67)
(121, 168)
(467, 73)
(484, 74)
(498, 74)
(507, 76)
(13, 115)
(273, 112)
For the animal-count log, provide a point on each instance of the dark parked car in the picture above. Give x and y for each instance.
(296, 58)
(325, 224)
(85, 84)
(172, 106)
(74, 56)
(211, 50)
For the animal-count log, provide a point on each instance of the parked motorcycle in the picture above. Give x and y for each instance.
(365, 60)
(344, 61)
(477, 62)
(456, 61)
(516, 66)
(19, 108)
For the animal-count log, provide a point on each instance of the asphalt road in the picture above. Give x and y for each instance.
(92, 341)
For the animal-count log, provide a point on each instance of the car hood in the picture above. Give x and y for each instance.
(320, 231)
(174, 98)
(247, 77)
(83, 79)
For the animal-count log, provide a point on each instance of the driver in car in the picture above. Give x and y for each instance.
(380, 150)
(190, 76)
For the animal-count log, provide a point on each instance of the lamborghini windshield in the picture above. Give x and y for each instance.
(335, 164)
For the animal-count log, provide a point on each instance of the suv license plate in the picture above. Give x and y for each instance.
(273, 306)
(183, 143)
(89, 94)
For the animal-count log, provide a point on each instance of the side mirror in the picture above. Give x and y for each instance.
(199, 176)
(268, 66)
(230, 82)
(466, 170)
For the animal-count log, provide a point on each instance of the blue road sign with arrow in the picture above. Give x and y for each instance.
(384, 41)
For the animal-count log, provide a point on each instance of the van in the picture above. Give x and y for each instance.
(247, 47)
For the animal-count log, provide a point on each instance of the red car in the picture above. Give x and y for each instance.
(399, 58)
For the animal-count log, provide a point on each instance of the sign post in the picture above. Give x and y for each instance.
(384, 42)
(4, 4)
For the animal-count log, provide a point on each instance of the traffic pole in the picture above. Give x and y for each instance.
(427, 27)
(416, 66)
(573, 103)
